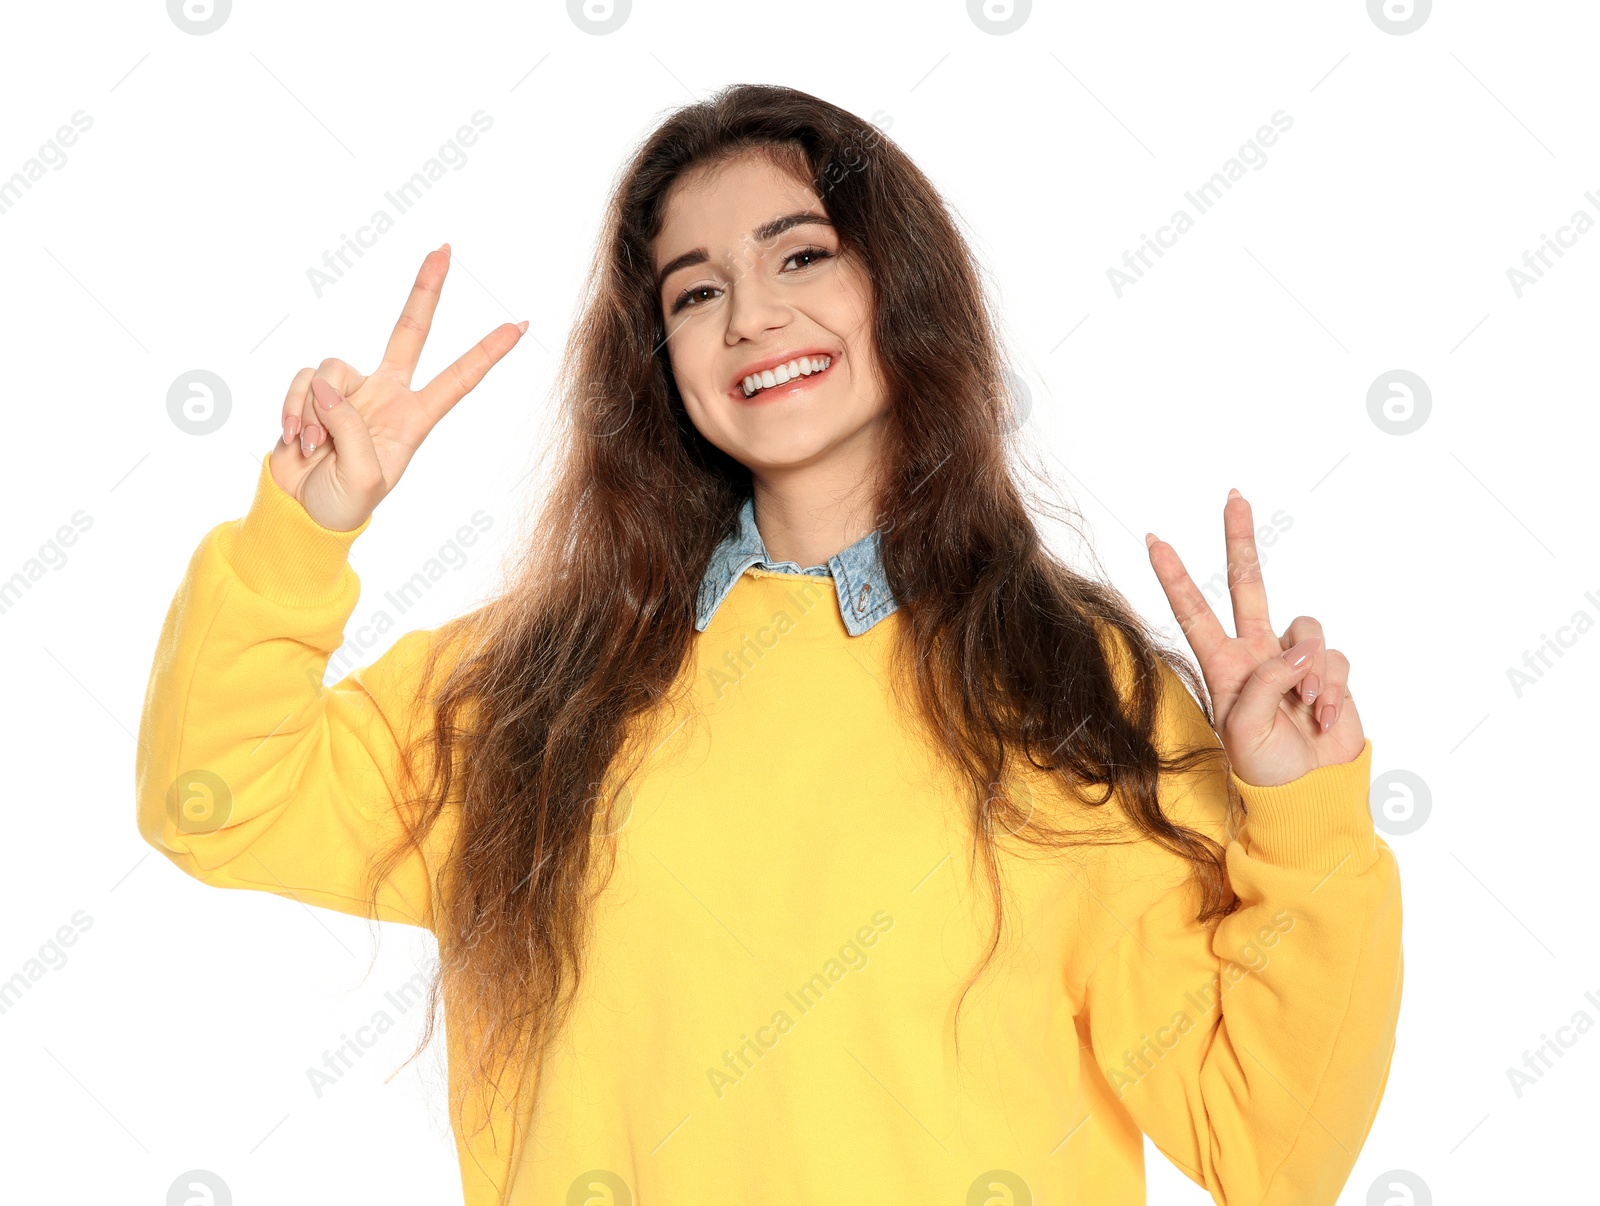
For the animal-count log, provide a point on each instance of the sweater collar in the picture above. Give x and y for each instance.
(857, 572)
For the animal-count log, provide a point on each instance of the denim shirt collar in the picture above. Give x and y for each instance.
(857, 572)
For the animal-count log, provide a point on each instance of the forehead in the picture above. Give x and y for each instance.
(715, 207)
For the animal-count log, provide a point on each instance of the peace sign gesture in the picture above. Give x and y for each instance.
(1282, 705)
(357, 434)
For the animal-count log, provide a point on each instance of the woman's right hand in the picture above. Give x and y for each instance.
(357, 434)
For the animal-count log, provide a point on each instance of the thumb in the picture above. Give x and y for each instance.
(1256, 709)
(355, 463)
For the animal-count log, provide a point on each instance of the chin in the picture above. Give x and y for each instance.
(770, 456)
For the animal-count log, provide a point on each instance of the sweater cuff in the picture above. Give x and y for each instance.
(1321, 821)
(283, 554)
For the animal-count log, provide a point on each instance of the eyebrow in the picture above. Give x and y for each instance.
(764, 233)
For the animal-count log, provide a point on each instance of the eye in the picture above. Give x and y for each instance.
(686, 298)
(691, 297)
(816, 254)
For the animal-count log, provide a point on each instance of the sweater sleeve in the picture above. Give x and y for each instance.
(1254, 1053)
(250, 773)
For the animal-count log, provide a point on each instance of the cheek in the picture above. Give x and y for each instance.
(851, 321)
(691, 357)
(849, 301)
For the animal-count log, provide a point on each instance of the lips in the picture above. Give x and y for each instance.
(736, 386)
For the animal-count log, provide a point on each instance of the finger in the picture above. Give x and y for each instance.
(1313, 683)
(1199, 623)
(357, 464)
(1256, 709)
(345, 380)
(1244, 569)
(461, 377)
(294, 404)
(411, 328)
(1338, 691)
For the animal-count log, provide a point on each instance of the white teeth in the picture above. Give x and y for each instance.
(801, 366)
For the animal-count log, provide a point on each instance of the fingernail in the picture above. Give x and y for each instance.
(287, 436)
(1149, 539)
(1327, 716)
(444, 247)
(327, 397)
(1297, 656)
(1234, 494)
(523, 326)
(294, 428)
(1310, 687)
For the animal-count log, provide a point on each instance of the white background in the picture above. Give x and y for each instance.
(1378, 235)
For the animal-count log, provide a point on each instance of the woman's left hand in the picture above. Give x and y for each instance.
(1282, 704)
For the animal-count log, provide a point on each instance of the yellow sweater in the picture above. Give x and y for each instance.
(766, 1015)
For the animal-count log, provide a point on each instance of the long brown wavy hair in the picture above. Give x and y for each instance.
(1012, 654)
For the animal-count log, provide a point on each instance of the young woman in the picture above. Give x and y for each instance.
(796, 826)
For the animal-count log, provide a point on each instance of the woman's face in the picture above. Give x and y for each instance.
(750, 277)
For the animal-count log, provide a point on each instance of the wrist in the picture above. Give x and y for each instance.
(281, 553)
(1321, 821)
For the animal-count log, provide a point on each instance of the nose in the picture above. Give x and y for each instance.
(753, 308)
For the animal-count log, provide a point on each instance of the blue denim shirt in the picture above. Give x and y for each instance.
(857, 572)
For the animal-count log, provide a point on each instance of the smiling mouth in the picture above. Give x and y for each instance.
(784, 378)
